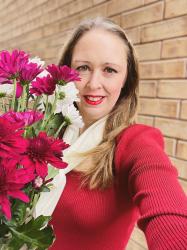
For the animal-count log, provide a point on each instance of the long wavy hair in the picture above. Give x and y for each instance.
(101, 170)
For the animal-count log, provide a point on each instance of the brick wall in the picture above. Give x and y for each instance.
(158, 30)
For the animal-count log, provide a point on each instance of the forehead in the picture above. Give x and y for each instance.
(99, 43)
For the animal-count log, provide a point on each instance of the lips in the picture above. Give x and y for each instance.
(93, 100)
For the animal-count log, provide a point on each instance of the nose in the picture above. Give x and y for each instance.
(95, 80)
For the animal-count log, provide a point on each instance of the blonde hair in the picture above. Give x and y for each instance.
(100, 173)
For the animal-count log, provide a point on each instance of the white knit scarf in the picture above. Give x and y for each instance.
(86, 141)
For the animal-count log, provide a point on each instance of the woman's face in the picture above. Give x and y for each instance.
(101, 59)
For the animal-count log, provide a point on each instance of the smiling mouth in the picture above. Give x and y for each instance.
(93, 100)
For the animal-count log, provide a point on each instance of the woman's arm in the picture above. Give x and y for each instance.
(154, 188)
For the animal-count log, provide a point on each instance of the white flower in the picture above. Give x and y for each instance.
(68, 94)
(43, 73)
(37, 60)
(72, 115)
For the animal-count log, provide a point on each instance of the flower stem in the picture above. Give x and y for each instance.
(52, 111)
(59, 129)
(23, 99)
(45, 115)
(36, 102)
(14, 94)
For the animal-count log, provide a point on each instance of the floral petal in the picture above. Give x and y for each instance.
(5, 206)
(18, 194)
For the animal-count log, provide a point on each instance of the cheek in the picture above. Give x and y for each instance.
(115, 88)
(80, 85)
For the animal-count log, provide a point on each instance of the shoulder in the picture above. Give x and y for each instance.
(140, 144)
(140, 134)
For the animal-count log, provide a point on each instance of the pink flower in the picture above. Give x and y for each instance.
(63, 74)
(12, 144)
(12, 64)
(12, 180)
(43, 150)
(26, 118)
(45, 85)
(27, 75)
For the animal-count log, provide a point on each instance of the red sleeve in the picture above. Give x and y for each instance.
(154, 188)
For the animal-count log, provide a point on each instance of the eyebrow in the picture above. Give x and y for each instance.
(107, 63)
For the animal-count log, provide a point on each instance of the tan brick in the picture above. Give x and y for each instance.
(147, 120)
(143, 15)
(98, 1)
(147, 88)
(183, 185)
(55, 4)
(170, 146)
(182, 150)
(150, 1)
(173, 89)
(69, 9)
(163, 69)
(174, 48)
(51, 29)
(51, 52)
(184, 110)
(172, 128)
(148, 51)
(22, 15)
(116, 19)
(100, 10)
(119, 6)
(165, 29)
(175, 8)
(181, 166)
(133, 35)
(30, 36)
(159, 107)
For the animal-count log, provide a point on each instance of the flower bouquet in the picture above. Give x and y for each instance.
(36, 103)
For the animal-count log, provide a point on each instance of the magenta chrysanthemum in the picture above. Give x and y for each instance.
(12, 144)
(27, 75)
(63, 74)
(26, 118)
(45, 85)
(43, 150)
(12, 180)
(11, 64)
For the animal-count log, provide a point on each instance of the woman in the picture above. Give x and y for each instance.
(121, 174)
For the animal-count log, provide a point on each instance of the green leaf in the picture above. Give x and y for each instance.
(54, 123)
(35, 234)
(44, 189)
(52, 172)
(3, 230)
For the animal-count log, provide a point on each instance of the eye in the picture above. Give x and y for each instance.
(110, 70)
(82, 68)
